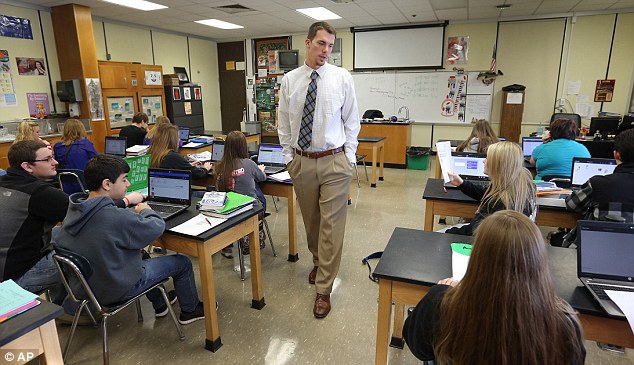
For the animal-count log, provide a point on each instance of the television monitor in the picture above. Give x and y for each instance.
(605, 125)
(288, 59)
(626, 123)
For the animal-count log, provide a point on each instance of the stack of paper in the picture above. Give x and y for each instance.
(213, 200)
(235, 204)
(201, 157)
(137, 150)
(283, 176)
(14, 300)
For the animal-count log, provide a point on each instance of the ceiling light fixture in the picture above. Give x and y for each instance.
(138, 4)
(319, 13)
(503, 6)
(219, 24)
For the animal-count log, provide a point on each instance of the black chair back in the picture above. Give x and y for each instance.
(71, 180)
(572, 116)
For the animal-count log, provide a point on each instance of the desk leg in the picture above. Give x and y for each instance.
(212, 341)
(397, 329)
(383, 321)
(293, 255)
(256, 267)
(429, 215)
(381, 161)
(374, 160)
(50, 344)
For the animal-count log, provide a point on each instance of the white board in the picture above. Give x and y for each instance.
(375, 91)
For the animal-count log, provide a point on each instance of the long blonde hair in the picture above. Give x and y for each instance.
(165, 140)
(506, 305)
(25, 131)
(484, 133)
(159, 121)
(73, 131)
(511, 183)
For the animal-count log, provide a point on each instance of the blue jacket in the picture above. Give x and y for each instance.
(81, 151)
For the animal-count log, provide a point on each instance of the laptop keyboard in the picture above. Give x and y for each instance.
(272, 169)
(166, 209)
(600, 289)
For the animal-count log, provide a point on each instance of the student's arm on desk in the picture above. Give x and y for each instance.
(579, 201)
(420, 327)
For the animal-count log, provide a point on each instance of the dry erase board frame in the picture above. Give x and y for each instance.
(433, 97)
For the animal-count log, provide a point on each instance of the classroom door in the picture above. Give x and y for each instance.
(232, 84)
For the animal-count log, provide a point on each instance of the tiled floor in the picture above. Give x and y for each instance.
(285, 332)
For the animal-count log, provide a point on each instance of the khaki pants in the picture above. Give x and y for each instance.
(322, 185)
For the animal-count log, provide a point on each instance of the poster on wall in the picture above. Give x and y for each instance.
(198, 95)
(457, 50)
(604, 91)
(176, 93)
(38, 105)
(187, 93)
(30, 66)
(93, 87)
(153, 78)
(11, 26)
(7, 91)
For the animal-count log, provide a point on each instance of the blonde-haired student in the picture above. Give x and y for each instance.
(29, 131)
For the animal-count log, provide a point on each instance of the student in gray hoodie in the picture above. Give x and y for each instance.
(112, 238)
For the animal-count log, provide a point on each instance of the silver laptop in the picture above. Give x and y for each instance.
(115, 146)
(604, 260)
(217, 150)
(529, 144)
(169, 191)
(584, 168)
(270, 155)
(183, 134)
(470, 166)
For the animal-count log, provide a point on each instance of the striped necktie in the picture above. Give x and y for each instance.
(306, 130)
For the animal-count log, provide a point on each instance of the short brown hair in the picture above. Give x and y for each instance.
(563, 128)
(24, 151)
(316, 27)
(139, 118)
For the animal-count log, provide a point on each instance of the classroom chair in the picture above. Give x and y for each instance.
(572, 116)
(361, 158)
(71, 180)
(269, 238)
(75, 270)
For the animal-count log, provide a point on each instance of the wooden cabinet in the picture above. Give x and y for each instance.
(397, 138)
(511, 116)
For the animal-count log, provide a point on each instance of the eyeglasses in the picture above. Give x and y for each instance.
(48, 159)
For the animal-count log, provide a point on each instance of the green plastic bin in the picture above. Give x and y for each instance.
(418, 158)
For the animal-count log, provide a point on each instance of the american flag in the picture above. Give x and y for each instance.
(493, 63)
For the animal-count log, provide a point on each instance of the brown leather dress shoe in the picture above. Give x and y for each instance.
(312, 275)
(322, 305)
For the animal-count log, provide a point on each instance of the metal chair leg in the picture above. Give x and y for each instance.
(73, 327)
(365, 167)
(104, 333)
(356, 170)
(139, 314)
(241, 259)
(275, 204)
(270, 238)
(181, 336)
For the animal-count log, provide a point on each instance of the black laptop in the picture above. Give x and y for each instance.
(169, 191)
(270, 155)
(115, 146)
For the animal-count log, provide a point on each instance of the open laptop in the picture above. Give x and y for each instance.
(115, 146)
(584, 168)
(270, 155)
(169, 191)
(604, 260)
(183, 134)
(470, 166)
(217, 150)
(529, 144)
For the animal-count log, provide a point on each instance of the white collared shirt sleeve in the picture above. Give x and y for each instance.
(350, 117)
(284, 122)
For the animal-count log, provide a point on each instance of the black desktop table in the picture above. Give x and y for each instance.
(599, 149)
(415, 260)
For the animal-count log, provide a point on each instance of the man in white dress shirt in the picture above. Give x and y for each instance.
(318, 127)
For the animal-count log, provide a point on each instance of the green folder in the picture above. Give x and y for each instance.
(235, 201)
(461, 248)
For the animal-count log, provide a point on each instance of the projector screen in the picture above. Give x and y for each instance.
(399, 48)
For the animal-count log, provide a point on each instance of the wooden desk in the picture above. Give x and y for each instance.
(414, 260)
(285, 190)
(31, 334)
(377, 144)
(184, 151)
(208, 243)
(251, 137)
(454, 203)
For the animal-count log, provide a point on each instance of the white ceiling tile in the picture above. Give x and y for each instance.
(448, 4)
(453, 14)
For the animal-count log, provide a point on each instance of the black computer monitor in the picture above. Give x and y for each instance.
(605, 125)
(626, 123)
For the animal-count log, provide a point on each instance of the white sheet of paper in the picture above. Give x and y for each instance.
(625, 301)
(514, 98)
(281, 176)
(197, 225)
(203, 156)
(193, 144)
(459, 263)
(443, 149)
(574, 86)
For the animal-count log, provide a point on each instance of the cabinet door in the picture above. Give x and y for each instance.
(113, 76)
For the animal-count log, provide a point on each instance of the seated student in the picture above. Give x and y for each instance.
(75, 149)
(111, 239)
(164, 151)
(237, 172)
(607, 195)
(511, 186)
(136, 131)
(481, 137)
(504, 311)
(29, 131)
(554, 157)
(150, 134)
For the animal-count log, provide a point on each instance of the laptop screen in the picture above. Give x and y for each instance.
(270, 154)
(529, 144)
(217, 150)
(606, 250)
(169, 186)
(183, 133)
(469, 165)
(115, 146)
(585, 168)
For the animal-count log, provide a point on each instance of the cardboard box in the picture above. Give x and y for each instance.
(170, 80)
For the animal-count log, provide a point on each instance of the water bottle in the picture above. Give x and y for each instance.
(243, 124)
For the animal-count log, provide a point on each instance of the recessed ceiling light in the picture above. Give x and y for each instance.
(138, 4)
(219, 24)
(503, 6)
(319, 13)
